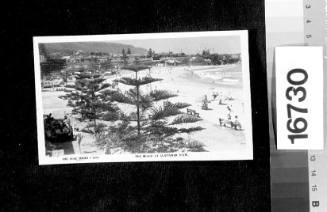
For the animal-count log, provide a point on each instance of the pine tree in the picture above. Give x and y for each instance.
(124, 57)
(152, 119)
(91, 99)
(134, 95)
(150, 53)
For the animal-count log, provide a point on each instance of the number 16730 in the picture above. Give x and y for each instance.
(296, 93)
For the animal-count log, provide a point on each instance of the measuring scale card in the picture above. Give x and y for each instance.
(298, 177)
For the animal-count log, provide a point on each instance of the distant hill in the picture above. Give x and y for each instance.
(106, 47)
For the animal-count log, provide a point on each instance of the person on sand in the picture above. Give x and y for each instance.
(237, 124)
(229, 116)
(214, 95)
(205, 98)
(229, 108)
(220, 121)
(205, 103)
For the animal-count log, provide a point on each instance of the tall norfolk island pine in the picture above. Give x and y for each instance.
(90, 100)
(153, 119)
(134, 96)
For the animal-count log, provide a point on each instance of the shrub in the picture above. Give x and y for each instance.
(195, 146)
(110, 116)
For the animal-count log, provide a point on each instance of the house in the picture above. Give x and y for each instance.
(43, 59)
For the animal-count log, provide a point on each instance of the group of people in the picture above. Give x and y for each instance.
(231, 119)
(231, 114)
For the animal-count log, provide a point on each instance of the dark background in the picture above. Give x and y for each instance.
(162, 186)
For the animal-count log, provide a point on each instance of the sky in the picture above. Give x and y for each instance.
(221, 44)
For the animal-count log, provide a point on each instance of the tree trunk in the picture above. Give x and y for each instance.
(94, 110)
(138, 111)
(138, 108)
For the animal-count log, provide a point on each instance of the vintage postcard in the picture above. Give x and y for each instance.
(143, 97)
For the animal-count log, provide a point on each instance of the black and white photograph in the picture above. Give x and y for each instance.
(143, 97)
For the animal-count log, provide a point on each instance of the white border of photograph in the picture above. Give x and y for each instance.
(245, 154)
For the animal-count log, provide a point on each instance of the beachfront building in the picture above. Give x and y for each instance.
(42, 58)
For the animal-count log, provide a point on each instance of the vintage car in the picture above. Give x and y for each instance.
(57, 130)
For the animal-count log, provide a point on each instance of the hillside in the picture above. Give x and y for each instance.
(106, 47)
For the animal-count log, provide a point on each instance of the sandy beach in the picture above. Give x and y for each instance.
(191, 87)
